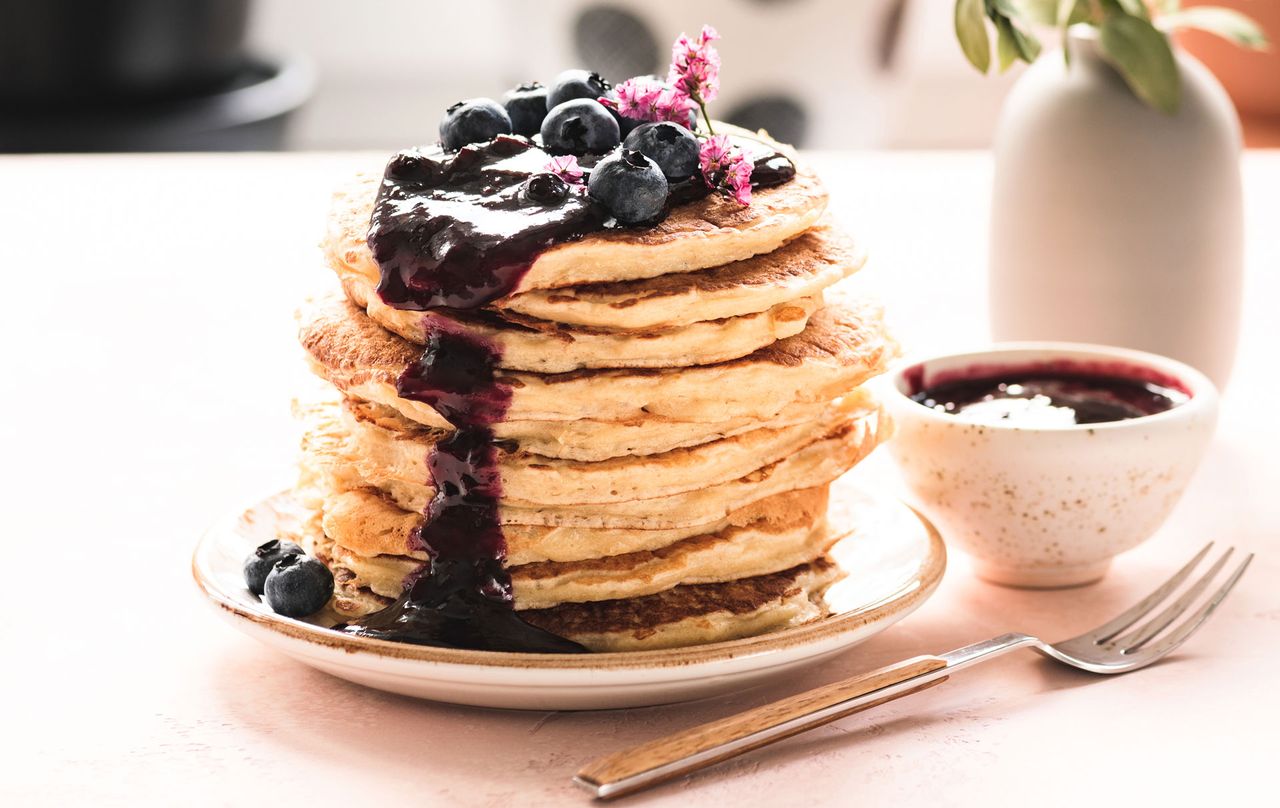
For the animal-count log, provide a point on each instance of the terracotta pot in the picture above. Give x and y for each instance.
(1252, 78)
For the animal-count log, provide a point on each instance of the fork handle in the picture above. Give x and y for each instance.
(708, 744)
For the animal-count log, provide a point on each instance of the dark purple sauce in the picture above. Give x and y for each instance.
(1049, 399)
(458, 231)
(462, 599)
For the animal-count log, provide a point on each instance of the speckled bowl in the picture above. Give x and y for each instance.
(1049, 506)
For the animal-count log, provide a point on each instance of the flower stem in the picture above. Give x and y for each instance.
(705, 117)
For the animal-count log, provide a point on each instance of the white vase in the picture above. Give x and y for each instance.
(1115, 223)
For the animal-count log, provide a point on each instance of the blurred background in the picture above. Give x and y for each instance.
(160, 75)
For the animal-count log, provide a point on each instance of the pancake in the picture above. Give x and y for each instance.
(387, 448)
(739, 552)
(801, 268)
(367, 523)
(325, 468)
(682, 616)
(696, 614)
(706, 233)
(545, 347)
(842, 346)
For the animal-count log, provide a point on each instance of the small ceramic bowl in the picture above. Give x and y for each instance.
(1049, 506)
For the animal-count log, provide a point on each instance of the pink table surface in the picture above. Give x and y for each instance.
(148, 367)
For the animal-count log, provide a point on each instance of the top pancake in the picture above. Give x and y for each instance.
(705, 233)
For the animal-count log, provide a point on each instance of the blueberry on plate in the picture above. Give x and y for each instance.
(298, 586)
(670, 145)
(630, 185)
(526, 106)
(474, 121)
(581, 126)
(259, 563)
(573, 84)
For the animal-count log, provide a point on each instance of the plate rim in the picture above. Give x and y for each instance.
(901, 602)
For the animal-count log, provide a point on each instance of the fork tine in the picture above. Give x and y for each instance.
(1144, 634)
(1188, 627)
(1127, 618)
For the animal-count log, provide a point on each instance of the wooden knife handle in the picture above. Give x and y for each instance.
(697, 748)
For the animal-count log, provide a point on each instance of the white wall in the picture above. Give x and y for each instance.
(388, 68)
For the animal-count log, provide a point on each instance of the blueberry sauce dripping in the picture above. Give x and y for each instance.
(458, 231)
(462, 599)
(1048, 399)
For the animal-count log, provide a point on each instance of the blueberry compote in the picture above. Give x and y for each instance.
(462, 599)
(456, 231)
(1046, 399)
(460, 229)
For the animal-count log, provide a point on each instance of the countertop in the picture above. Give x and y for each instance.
(149, 363)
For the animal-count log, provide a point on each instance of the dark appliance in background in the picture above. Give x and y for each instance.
(139, 75)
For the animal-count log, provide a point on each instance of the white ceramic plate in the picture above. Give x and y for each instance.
(894, 558)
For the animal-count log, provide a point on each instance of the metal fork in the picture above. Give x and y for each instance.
(1113, 647)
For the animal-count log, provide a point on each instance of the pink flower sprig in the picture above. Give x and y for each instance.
(648, 99)
(566, 168)
(695, 69)
(725, 168)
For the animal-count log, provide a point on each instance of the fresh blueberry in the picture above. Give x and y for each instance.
(573, 84)
(670, 145)
(259, 563)
(544, 188)
(473, 121)
(581, 126)
(630, 185)
(298, 586)
(526, 106)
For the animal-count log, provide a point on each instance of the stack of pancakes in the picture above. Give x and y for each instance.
(681, 397)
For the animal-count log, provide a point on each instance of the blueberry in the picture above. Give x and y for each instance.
(573, 84)
(544, 188)
(580, 126)
(670, 145)
(630, 185)
(298, 586)
(526, 106)
(259, 563)
(474, 121)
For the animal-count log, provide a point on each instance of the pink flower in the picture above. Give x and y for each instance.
(725, 168)
(695, 66)
(566, 168)
(648, 99)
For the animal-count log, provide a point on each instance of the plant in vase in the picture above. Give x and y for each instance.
(1116, 208)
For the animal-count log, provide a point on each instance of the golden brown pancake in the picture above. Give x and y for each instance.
(325, 460)
(546, 347)
(387, 448)
(843, 346)
(802, 267)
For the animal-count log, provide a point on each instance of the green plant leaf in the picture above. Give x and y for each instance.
(1040, 12)
(1143, 56)
(1135, 8)
(1028, 45)
(1066, 13)
(1006, 46)
(1225, 22)
(971, 31)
